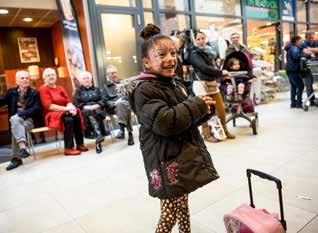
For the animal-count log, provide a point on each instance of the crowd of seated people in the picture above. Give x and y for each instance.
(51, 106)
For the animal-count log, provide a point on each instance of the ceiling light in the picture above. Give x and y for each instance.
(3, 11)
(27, 19)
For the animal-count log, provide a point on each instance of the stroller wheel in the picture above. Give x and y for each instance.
(234, 122)
(305, 107)
(255, 125)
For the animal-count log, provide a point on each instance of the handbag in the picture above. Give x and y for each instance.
(204, 87)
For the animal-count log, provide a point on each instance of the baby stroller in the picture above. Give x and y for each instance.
(240, 107)
(248, 219)
(309, 67)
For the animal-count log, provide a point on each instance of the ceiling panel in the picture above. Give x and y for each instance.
(41, 17)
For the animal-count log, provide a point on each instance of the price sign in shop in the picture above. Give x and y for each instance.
(262, 9)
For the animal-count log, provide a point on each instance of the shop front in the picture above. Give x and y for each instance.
(264, 25)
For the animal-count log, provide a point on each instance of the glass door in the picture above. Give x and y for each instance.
(120, 47)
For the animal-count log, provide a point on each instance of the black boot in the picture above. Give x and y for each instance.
(98, 134)
(99, 148)
(121, 133)
(130, 139)
(15, 162)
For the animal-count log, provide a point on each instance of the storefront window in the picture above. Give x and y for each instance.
(147, 4)
(262, 42)
(301, 10)
(170, 22)
(131, 3)
(148, 17)
(301, 30)
(229, 7)
(179, 5)
(120, 41)
(314, 11)
(215, 27)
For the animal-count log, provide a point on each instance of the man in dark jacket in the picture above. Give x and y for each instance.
(120, 104)
(312, 46)
(294, 53)
(24, 108)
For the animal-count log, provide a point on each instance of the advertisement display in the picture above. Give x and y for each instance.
(71, 40)
(288, 10)
(262, 9)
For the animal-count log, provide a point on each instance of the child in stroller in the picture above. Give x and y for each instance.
(237, 88)
(241, 81)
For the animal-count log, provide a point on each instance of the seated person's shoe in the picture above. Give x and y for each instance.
(98, 148)
(121, 134)
(81, 148)
(130, 139)
(15, 162)
(292, 105)
(71, 151)
(229, 135)
(23, 153)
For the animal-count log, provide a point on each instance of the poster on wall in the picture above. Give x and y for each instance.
(262, 9)
(288, 10)
(71, 40)
(28, 50)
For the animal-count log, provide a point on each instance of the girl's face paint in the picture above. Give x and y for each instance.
(162, 58)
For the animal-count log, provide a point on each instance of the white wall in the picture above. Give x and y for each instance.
(36, 4)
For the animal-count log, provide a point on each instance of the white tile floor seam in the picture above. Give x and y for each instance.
(108, 193)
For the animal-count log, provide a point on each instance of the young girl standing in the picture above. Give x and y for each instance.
(175, 157)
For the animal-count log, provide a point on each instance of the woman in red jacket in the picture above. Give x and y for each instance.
(60, 113)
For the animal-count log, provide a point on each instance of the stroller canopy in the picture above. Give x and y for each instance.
(244, 58)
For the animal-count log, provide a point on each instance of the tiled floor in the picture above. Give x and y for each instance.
(107, 193)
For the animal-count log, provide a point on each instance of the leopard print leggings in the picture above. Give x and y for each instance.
(173, 210)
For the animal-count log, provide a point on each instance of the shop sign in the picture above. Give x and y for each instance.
(72, 41)
(262, 9)
(288, 10)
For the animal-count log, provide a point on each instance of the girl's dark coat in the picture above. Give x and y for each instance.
(175, 156)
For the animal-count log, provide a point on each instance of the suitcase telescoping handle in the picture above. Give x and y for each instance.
(278, 182)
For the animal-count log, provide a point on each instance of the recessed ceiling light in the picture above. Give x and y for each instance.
(27, 19)
(3, 11)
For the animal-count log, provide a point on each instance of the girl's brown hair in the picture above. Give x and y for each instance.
(150, 34)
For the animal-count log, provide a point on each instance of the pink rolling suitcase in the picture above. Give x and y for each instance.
(247, 219)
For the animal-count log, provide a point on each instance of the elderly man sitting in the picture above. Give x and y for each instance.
(24, 109)
(120, 102)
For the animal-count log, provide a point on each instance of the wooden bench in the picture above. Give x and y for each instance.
(42, 130)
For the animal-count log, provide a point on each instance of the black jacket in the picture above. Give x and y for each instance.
(294, 53)
(33, 105)
(88, 96)
(175, 156)
(204, 66)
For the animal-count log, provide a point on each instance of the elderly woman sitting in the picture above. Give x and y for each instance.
(61, 114)
(89, 99)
